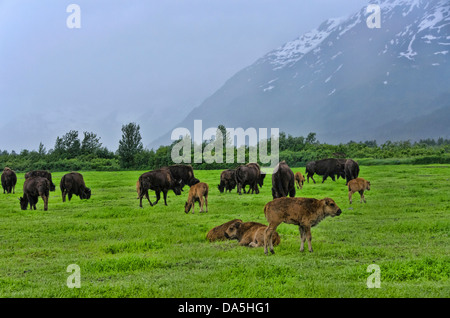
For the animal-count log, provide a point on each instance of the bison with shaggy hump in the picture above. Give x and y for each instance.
(160, 180)
(249, 234)
(299, 180)
(218, 233)
(9, 180)
(197, 193)
(73, 183)
(249, 174)
(326, 168)
(227, 180)
(283, 183)
(358, 185)
(351, 169)
(33, 188)
(304, 212)
(183, 173)
(43, 174)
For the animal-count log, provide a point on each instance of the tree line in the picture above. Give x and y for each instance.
(73, 151)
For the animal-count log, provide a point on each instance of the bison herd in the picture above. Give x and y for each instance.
(284, 208)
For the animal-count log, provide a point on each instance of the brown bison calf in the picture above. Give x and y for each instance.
(218, 233)
(198, 192)
(358, 185)
(299, 180)
(304, 212)
(249, 234)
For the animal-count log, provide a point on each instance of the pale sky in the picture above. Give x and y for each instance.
(149, 62)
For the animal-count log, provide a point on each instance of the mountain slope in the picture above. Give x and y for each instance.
(345, 80)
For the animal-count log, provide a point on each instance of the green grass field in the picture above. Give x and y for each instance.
(126, 251)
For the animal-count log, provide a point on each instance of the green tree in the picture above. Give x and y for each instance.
(90, 144)
(130, 145)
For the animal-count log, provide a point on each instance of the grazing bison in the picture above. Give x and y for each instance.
(218, 233)
(326, 168)
(358, 185)
(227, 180)
(43, 174)
(160, 180)
(304, 212)
(73, 183)
(185, 173)
(249, 174)
(9, 180)
(249, 234)
(351, 169)
(299, 180)
(197, 193)
(283, 183)
(33, 188)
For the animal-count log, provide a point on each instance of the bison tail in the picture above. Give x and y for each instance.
(61, 183)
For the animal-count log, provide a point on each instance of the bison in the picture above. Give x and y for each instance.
(73, 183)
(283, 183)
(358, 185)
(197, 193)
(351, 169)
(9, 180)
(304, 212)
(33, 188)
(299, 180)
(249, 234)
(326, 168)
(227, 180)
(185, 173)
(218, 233)
(249, 174)
(43, 174)
(160, 180)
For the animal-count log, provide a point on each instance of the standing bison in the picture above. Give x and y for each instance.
(249, 174)
(326, 168)
(160, 180)
(33, 188)
(283, 183)
(351, 169)
(299, 180)
(304, 212)
(9, 180)
(197, 193)
(227, 180)
(184, 173)
(43, 174)
(73, 183)
(358, 185)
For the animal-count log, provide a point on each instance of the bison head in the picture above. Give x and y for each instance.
(178, 187)
(367, 185)
(23, 203)
(221, 188)
(331, 208)
(231, 232)
(187, 207)
(261, 179)
(86, 194)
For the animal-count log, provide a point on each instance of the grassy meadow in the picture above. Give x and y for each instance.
(126, 251)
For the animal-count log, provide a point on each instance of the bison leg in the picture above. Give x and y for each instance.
(165, 197)
(206, 202)
(350, 193)
(45, 199)
(302, 237)
(158, 196)
(308, 236)
(361, 193)
(69, 196)
(268, 238)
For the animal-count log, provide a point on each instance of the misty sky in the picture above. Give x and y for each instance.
(149, 62)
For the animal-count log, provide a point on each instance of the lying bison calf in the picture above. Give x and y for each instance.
(358, 185)
(197, 193)
(33, 188)
(304, 212)
(249, 234)
(218, 233)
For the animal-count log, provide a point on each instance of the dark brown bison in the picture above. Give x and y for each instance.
(358, 185)
(227, 180)
(351, 169)
(283, 183)
(43, 174)
(304, 212)
(326, 168)
(299, 180)
(9, 180)
(197, 193)
(249, 174)
(185, 173)
(33, 188)
(218, 233)
(160, 180)
(73, 183)
(249, 234)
